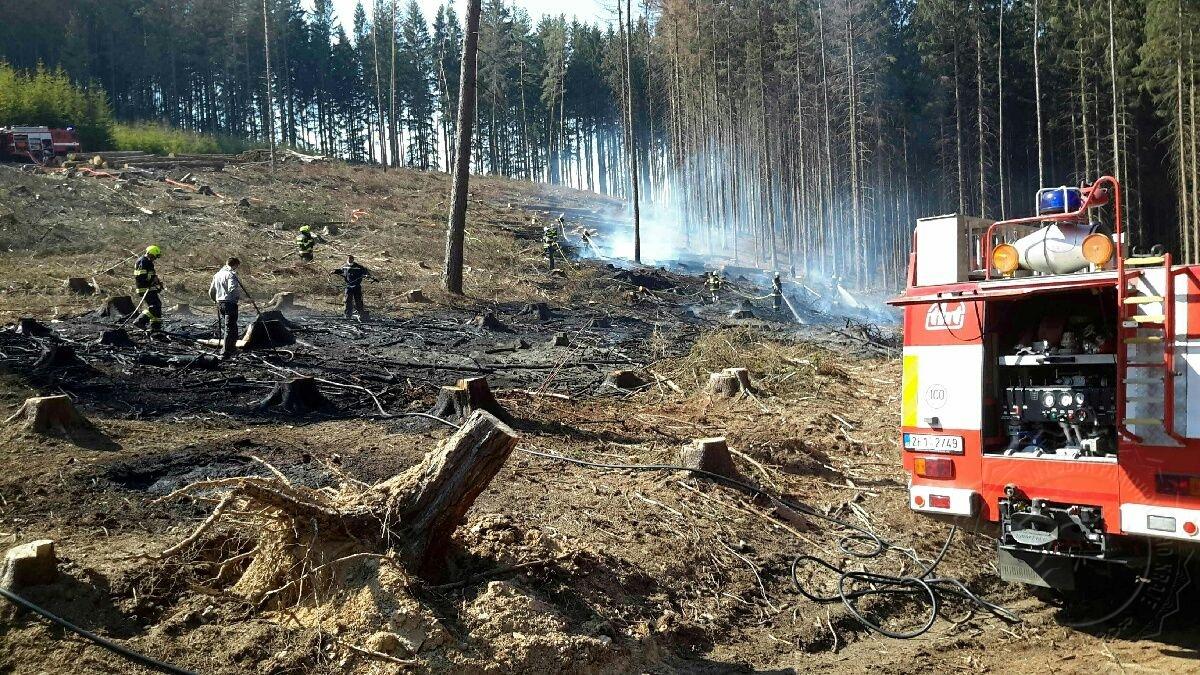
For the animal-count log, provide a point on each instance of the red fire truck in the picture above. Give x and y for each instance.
(37, 144)
(1051, 385)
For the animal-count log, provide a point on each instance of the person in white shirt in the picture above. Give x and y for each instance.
(226, 290)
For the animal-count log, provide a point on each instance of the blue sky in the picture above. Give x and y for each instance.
(585, 10)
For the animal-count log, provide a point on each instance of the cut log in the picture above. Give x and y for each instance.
(298, 396)
(625, 380)
(118, 307)
(729, 383)
(79, 285)
(116, 337)
(31, 564)
(488, 321)
(416, 295)
(711, 455)
(465, 397)
(30, 328)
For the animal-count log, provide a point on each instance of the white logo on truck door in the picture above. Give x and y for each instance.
(946, 316)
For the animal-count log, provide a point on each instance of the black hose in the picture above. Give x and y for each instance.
(934, 590)
(136, 657)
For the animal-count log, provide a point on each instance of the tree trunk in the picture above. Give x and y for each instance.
(452, 274)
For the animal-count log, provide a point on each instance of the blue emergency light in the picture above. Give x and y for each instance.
(1059, 200)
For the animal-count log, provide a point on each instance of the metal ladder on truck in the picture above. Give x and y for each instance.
(1146, 362)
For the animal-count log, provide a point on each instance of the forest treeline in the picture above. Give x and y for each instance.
(804, 134)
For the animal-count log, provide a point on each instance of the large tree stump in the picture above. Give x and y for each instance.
(182, 309)
(744, 310)
(30, 327)
(118, 307)
(465, 397)
(297, 396)
(416, 295)
(729, 383)
(711, 455)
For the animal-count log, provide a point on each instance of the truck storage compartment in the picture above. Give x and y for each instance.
(1052, 376)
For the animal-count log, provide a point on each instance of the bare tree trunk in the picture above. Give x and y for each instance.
(1037, 93)
(633, 145)
(1000, 116)
(270, 108)
(452, 274)
(1116, 117)
(394, 145)
(978, 15)
(379, 94)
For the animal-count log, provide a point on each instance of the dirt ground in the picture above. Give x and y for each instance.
(559, 567)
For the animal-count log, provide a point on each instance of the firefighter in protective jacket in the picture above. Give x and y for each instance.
(549, 243)
(777, 292)
(305, 242)
(353, 274)
(147, 285)
(712, 282)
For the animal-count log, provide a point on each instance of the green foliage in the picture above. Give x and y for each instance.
(48, 98)
(161, 140)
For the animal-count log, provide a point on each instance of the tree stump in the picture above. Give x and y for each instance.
(79, 285)
(488, 321)
(297, 396)
(711, 455)
(330, 230)
(539, 309)
(269, 329)
(416, 295)
(182, 309)
(31, 564)
(116, 337)
(118, 307)
(560, 340)
(729, 383)
(744, 310)
(51, 416)
(625, 380)
(280, 302)
(467, 396)
(31, 328)
(59, 356)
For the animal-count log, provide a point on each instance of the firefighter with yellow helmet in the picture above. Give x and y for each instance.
(306, 241)
(147, 284)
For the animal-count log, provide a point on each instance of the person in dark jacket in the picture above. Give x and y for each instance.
(353, 274)
(305, 242)
(147, 285)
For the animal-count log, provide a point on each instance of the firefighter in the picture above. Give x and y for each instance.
(549, 243)
(305, 242)
(225, 290)
(777, 292)
(147, 284)
(353, 274)
(712, 282)
(637, 295)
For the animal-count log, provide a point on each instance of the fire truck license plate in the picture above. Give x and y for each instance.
(933, 443)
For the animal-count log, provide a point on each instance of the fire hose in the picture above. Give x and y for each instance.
(124, 652)
(934, 589)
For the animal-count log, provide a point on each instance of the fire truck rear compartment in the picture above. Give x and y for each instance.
(1051, 376)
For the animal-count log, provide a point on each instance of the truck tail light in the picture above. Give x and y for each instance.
(934, 467)
(1179, 485)
(939, 501)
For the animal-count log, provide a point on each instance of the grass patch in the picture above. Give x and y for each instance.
(163, 140)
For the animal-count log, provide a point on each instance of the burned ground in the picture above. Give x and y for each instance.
(559, 567)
